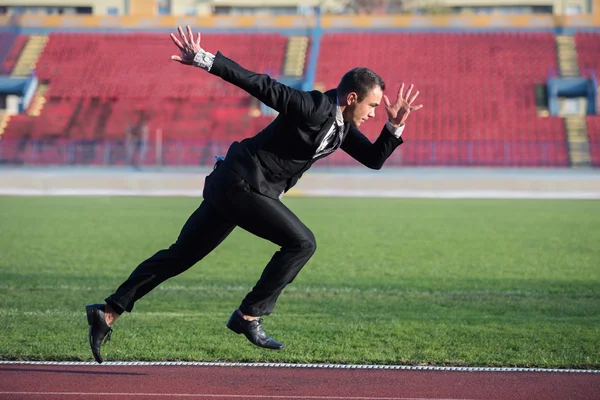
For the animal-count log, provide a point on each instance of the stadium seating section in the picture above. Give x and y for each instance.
(588, 49)
(477, 88)
(138, 66)
(593, 128)
(16, 45)
(6, 42)
(98, 83)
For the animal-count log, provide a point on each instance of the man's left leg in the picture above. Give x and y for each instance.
(269, 219)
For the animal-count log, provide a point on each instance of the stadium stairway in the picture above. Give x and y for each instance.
(4, 118)
(566, 52)
(295, 56)
(575, 126)
(579, 146)
(29, 56)
(38, 101)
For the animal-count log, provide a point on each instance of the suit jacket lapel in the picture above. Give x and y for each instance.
(339, 138)
(332, 95)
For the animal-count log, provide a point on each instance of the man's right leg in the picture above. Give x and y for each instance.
(205, 229)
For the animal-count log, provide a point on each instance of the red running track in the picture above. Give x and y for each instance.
(77, 382)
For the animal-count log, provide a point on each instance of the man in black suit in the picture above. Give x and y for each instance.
(245, 187)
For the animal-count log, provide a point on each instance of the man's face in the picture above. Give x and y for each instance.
(357, 112)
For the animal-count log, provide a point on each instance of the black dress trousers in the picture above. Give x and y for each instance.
(228, 202)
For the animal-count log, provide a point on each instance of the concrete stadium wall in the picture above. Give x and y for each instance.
(340, 182)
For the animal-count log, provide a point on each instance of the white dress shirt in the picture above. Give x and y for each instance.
(336, 130)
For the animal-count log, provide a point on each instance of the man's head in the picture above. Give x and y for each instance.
(359, 92)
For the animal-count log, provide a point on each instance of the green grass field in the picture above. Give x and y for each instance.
(393, 281)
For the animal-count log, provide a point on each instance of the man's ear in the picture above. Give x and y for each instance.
(351, 98)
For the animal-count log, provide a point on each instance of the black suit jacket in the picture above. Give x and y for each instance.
(273, 160)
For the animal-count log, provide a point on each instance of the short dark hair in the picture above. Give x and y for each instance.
(359, 80)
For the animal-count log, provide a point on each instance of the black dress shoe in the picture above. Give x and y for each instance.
(253, 330)
(98, 328)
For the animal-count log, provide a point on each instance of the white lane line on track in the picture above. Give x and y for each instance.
(291, 365)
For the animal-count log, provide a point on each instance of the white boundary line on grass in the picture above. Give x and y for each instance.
(291, 365)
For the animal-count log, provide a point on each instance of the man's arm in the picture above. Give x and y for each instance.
(274, 94)
(373, 155)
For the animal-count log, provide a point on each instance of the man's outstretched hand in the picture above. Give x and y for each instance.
(188, 46)
(402, 107)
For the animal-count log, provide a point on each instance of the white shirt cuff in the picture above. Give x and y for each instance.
(396, 131)
(204, 60)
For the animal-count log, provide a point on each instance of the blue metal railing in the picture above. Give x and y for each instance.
(498, 153)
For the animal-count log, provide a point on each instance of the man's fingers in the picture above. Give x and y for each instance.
(198, 40)
(408, 91)
(177, 42)
(190, 34)
(400, 93)
(183, 38)
(413, 98)
(386, 101)
(181, 61)
(416, 107)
